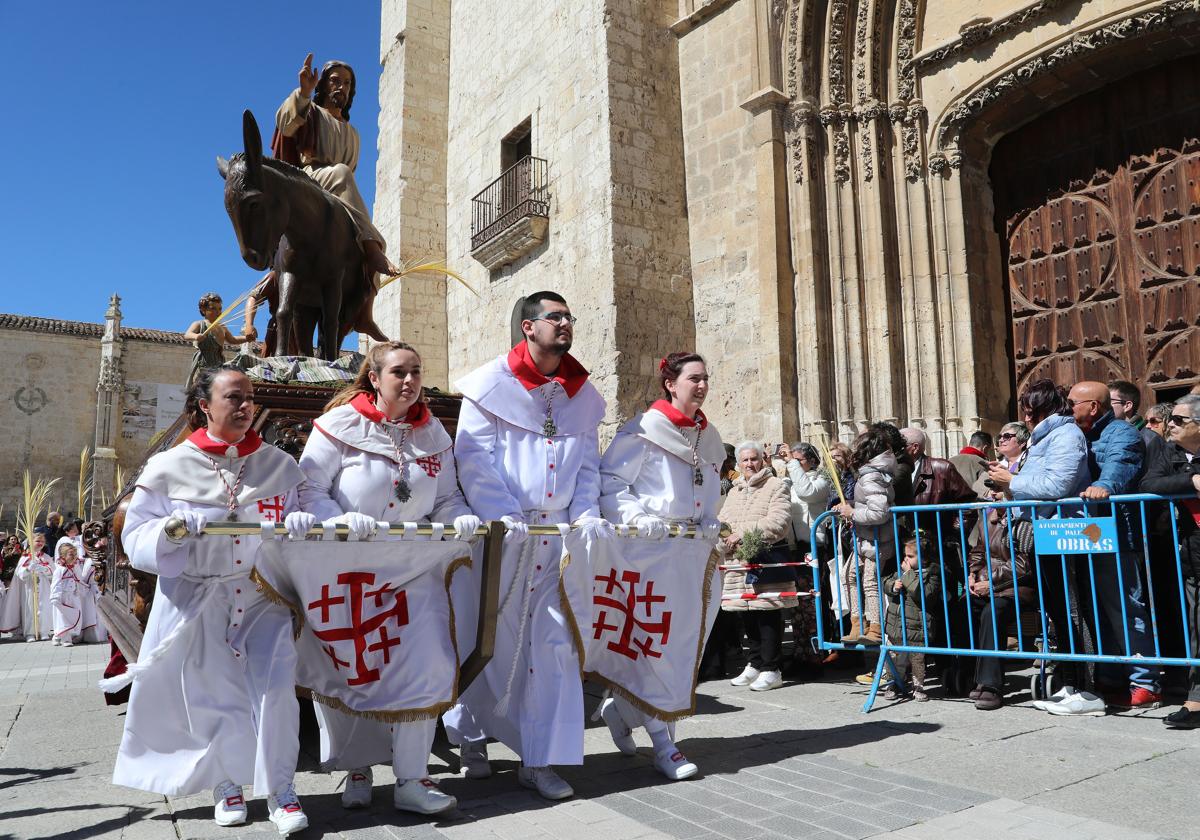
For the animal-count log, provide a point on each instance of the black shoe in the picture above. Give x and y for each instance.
(1183, 719)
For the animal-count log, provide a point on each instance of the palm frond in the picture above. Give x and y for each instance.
(33, 502)
(428, 267)
(832, 469)
(83, 487)
(225, 313)
(120, 481)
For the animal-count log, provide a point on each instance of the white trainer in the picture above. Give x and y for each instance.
(545, 781)
(622, 735)
(767, 680)
(749, 675)
(674, 765)
(473, 760)
(359, 783)
(285, 811)
(1081, 703)
(229, 806)
(56, 642)
(1057, 697)
(68, 643)
(421, 796)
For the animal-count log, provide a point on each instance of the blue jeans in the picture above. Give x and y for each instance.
(1111, 632)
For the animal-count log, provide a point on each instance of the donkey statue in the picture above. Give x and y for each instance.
(284, 220)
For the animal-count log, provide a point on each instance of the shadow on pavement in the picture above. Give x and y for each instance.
(34, 775)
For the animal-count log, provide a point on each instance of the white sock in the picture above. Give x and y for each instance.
(662, 741)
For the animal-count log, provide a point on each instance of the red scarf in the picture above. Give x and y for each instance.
(676, 416)
(417, 414)
(202, 441)
(971, 450)
(571, 375)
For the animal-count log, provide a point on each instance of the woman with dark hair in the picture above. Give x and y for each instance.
(663, 468)
(873, 460)
(378, 454)
(213, 704)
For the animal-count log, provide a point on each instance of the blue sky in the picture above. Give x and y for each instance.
(117, 111)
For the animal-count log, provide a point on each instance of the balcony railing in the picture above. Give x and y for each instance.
(519, 193)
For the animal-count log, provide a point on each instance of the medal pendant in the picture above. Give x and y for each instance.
(403, 492)
(698, 477)
(232, 517)
(548, 428)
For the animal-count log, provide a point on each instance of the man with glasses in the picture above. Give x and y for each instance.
(1115, 459)
(1176, 471)
(528, 453)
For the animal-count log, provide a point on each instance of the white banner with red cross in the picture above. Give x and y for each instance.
(653, 605)
(376, 622)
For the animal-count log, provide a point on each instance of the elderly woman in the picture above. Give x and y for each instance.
(759, 502)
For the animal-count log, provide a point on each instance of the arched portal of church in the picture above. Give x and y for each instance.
(1098, 212)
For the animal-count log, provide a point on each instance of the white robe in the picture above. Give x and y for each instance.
(221, 702)
(350, 464)
(98, 632)
(44, 568)
(71, 598)
(530, 696)
(649, 469)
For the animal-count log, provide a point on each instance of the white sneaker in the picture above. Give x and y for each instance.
(358, 788)
(767, 680)
(421, 796)
(622, 735)
(56, 642)
(1057, 697)
(473, 760)
(749, 675)
(67, 643)
(30, 639)
(229, 806)
(674, 765)
(1080, 703)
(545, 781)
(285, 811)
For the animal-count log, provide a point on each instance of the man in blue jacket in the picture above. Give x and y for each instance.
(1116, 461)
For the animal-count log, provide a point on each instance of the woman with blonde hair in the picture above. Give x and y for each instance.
(377, 454)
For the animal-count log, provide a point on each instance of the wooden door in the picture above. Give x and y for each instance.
(1099, 204)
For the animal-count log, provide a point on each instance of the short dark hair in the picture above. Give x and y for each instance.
(532, 306)
(1127, 391)
(202, 390)
(1042, 398)
(670, 367)
(809, 452)
(894, 438)
(980, 440)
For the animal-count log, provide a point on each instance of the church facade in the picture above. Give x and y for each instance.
(857, 210)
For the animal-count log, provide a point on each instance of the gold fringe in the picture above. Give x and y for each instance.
(401, 716)
(564, 603)
(665, 715)
(269, 592)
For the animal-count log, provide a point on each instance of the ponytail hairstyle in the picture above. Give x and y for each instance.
(670, 368)
(1042, 398)
(373, 361)
(201, 389)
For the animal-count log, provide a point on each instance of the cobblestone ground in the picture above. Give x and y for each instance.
(797, 762)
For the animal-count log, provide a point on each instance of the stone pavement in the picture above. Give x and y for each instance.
(798, 762)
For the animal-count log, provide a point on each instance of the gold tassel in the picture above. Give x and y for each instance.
(564, 604)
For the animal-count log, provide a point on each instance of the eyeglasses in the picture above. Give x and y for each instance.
(556, 318)
(1072, 403)
(1180, 420)
(1120, 402)
(1007, 436)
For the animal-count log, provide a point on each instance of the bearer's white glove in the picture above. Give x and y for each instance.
(651, 527)
(465, 525)
(361, 526)
(710, 529)
(298, 522)
(515, 530)
(595, 527)
(192, 520)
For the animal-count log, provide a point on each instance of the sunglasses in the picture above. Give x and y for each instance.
(1180, 420)
(1072, 403)
(1007, 436)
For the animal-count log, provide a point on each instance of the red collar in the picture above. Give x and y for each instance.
(417, 415)
(676, 416)
(201, 440)
(971, 450)
(571, 375)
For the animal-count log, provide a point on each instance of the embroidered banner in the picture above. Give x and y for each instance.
(653, 604)
(377, 636)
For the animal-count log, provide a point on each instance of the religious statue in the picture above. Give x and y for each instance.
(210, 337)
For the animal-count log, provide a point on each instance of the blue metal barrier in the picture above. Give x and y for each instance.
(1088, 540)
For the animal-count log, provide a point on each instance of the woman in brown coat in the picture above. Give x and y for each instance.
(759, 501)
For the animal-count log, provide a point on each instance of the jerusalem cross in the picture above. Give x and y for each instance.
(361, 628)
(626, 644)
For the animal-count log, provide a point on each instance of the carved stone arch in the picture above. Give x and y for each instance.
(803, 34)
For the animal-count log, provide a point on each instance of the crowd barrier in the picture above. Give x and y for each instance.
(1099, 584)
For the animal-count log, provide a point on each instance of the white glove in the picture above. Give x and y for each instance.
(515, 530)
(651, 527)
(298, 522)
(710, 529)
(361, 526)
(465, 525)
(193, 521)
(596, 528)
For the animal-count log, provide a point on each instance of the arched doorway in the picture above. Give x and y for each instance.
(1098, 213)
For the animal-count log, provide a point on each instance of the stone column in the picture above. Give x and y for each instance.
(109, 389)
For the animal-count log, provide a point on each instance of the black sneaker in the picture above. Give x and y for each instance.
(1183, 718)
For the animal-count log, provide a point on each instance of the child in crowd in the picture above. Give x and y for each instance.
(37, 616)
(74, 610)
(918, 572)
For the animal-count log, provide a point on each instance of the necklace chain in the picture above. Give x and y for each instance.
(401, 488)
(232, 492)
(697, 473)
(548, 428)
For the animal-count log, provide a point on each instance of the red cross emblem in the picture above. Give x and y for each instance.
(624, 610)
(362, 627)
(271, 509)
(432, 464)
